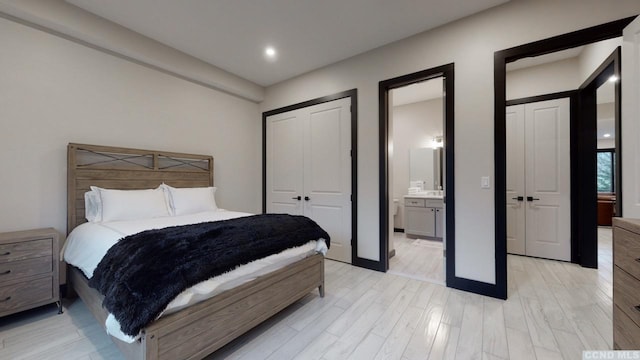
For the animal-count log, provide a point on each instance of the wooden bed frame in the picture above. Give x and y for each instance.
(199, 330)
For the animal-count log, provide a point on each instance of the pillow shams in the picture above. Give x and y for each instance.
(185, 201)
(132, 204)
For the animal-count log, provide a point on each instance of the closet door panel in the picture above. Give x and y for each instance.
(324, 163)
(308, 170)
(327, 173)
(515, 180)
(548, 213)
(285, 163)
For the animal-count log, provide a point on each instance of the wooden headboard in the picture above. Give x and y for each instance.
(122, 168)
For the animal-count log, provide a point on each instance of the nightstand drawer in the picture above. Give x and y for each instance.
(25, 250)
(627, 256)
(625, 294)
(22, 294)
(23, 268)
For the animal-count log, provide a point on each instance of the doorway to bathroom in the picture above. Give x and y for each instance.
(416, 175)
(416, 123)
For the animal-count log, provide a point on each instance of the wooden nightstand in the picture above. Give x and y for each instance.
(29, 270)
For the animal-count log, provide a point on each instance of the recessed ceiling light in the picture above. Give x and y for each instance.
(613, 78)
(607, 135)
(270, 52)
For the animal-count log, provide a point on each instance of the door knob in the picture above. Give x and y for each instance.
(306, 198)
(519, 198)
(531, 198)
(297, 198)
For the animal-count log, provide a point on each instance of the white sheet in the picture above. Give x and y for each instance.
(88, 243)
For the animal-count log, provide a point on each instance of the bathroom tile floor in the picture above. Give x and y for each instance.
(419, 259)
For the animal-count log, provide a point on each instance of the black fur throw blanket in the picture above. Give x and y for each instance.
(141, 274)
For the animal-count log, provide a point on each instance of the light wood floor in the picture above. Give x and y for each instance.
(418, 259)
(554, 311)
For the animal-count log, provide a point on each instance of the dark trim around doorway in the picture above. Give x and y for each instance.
(588, 197)
(446, 71)
(501, 58)
(353, 95)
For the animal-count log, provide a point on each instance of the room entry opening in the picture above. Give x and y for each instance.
(423, 210)
(416, 141)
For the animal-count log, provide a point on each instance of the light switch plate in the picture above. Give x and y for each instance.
(484, 182)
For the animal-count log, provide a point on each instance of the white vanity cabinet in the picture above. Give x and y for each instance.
(423, 217)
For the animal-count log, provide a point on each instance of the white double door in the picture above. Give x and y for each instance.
(309, 169)
(538, 179)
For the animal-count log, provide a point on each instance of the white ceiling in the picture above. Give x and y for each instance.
(308, 34)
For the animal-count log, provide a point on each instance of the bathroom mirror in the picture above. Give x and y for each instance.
(425, 165)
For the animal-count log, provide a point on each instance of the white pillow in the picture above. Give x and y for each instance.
(184, 201)
(92, 206)
(133, 204)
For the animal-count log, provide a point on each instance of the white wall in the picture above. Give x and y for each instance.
(594, 54)
(75, 23)
(606, 123)
(562, 75)
(606, 143)
(543, 79)
(469, 43)
(414, 126)
(54, 91)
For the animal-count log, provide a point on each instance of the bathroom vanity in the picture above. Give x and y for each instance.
(424, 216)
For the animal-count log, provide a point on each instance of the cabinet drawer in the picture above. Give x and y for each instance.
(25, 250)
(22, 294)
(627, 251)
(23, 268)
(414, 202)
(626, 295)
(433, 203)
(624, 331)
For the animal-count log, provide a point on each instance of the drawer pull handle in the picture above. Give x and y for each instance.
(637, 307)
(6, 299)
(6, 272)
(5, 254)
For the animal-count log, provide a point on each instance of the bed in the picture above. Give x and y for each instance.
(198, 330)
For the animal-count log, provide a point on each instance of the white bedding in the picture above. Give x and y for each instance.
(88, 243)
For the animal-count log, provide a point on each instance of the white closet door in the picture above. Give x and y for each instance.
(515, 180)
(285, 163)
(309, 156)
(327, 173)
(630, 114)
(547, 162)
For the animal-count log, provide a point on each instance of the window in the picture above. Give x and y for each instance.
(606, 169)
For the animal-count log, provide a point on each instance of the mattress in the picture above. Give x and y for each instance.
(87, 244)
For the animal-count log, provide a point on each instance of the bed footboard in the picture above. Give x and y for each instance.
(199, 330)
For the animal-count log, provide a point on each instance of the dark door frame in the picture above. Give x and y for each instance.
(447, 72)
(353, 96)
(588, 196)
(501, 58)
